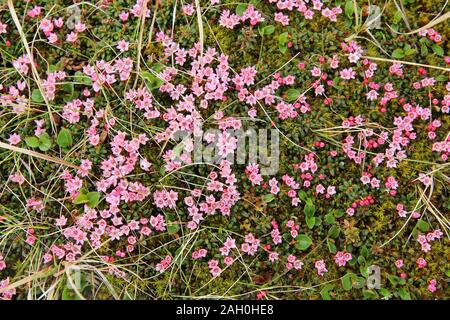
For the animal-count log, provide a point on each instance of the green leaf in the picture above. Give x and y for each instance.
(346, 281)
(45, 142)
(241, 8)
(404, 294)
(364, 251)
(64, 138)
(32, 142)
(81, 198)
(385, 292)
(408, 50)
(151, 80)
(268, 197)
(303, 242)
(393, 279)
(309, 209)
(333, 232)
(422, 225)
(93, 199)
(398, 54)
(397, 16)
(438, 50)
(265, 31)
(361, 260)
(349, 9)
(329, 218)
(331, 246)
(303, 196)
(423, 50)
(370, 294)
(84, 79)
(282, 41)
(292, 94)
(36, 96)
(325, 292)
(69, 294)
(173, 228)
(310, 222)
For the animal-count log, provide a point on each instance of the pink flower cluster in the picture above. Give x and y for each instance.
(143, 100)
(22, 64)
(165, 199)
(7, 294)
(49, 84)
(294, 228)
(35, 204)
(228, 245)
(443, 147)
(432, 127)
(431, 34)
(396, 69)
(353, 50)
(214, 267)
(104, 73)
(72, 37)
(164, 264)
(34, 12)
(425, 240)
(341, 258)
(367, 178)
(198, 254)
(30, 236)
(252, 172)
(275, 233)
(229, 20)
(366, 201)
(71, 110)
(432, 285)
(294, 186)
(228, 198)
(138, 9)
(48, 27)
(273, 184)
(306, 8)
(250, 245)
(293, 262)
(320, 267)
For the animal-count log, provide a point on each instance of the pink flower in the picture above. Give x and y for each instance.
(425, 179)
(372, 95)
(123, 16)
(421, 263)
(399, 263)
(122, 46)
(2, 263)
(3, 27)
(347, 74)
(14, 139)
(72, 37)
(188, 9)
(80, 27)
(61, 221)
